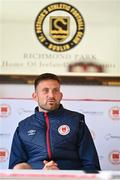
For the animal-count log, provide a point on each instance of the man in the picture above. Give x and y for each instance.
(53, 137)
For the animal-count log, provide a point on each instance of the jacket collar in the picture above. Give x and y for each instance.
(51, 114)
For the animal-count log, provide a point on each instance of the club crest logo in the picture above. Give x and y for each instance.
(115, 113)
(5, 110)
(64, 130)
(114, 157)
(59, 27)
(3, 154)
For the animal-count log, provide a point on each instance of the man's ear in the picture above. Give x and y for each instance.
(61, 95)
(34, 96)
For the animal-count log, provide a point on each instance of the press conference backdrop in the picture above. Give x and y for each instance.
(101, 106)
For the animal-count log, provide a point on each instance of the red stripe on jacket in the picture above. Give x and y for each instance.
(48, 135)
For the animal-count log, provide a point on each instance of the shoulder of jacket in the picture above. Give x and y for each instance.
(76, 114)
(26, 121)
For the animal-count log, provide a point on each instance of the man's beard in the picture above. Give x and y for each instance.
(49, 107)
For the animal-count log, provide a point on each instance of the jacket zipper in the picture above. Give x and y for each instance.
(48, 135)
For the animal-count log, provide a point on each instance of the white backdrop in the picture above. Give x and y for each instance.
(100, 104)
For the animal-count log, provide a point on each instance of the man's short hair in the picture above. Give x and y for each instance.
(46, 76)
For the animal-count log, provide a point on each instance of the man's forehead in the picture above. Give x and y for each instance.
(48, 84)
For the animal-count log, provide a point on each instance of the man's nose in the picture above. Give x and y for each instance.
(51, 93)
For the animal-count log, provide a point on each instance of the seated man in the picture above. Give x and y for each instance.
(53, 137)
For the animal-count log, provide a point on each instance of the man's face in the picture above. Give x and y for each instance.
(48, 95)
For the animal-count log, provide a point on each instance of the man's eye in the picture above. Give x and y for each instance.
(56, 90)
(45, 90)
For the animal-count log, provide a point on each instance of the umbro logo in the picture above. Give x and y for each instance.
(31, 132)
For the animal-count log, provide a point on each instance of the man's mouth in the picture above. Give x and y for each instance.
(51, 101)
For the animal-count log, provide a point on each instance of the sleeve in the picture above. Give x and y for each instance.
(18, 154)
(87, 150)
